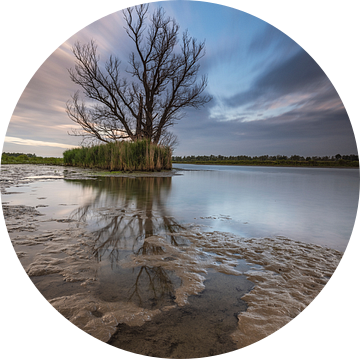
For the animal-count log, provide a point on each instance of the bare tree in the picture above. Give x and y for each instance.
(163, 82)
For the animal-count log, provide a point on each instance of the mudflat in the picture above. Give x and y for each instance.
(124, 270)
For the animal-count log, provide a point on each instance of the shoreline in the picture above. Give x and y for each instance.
(136, 174)
(262, 165)
(17, 174)
(100, 172)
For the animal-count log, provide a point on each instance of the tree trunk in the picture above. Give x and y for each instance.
(139, 134)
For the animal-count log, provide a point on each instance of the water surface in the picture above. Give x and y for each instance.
(312, 205)
(127, 258)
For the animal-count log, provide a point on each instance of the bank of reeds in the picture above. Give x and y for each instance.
(121, 156)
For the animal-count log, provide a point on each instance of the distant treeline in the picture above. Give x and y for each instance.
(13, 154)
(279, 160)
(21, 158)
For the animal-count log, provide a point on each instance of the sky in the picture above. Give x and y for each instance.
(269, 95)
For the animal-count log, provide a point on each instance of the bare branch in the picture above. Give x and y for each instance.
(164, 81)
(169, 139)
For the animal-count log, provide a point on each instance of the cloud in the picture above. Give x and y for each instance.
(299, 74)
(307, 130)
(30, 142)
(272, 42)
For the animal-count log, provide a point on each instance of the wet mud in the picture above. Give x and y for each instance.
(53, 286)
(123, 270)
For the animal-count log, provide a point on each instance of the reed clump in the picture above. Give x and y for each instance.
(141, 155)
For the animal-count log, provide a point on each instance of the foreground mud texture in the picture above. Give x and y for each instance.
(182, 292)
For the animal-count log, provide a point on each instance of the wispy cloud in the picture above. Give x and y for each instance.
(29, 142)
(292, 89)
(298, 76)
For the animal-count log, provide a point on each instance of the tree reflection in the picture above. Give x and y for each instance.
(121, 213)
(159, 286)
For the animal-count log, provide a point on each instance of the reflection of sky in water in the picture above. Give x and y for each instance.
(59, 198)
(310, 205)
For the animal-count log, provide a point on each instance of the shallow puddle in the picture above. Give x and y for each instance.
(147, 287)
(200, 329)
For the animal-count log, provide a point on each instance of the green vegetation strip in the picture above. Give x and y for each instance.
(20, 158)
(143, 156)
(340, 163)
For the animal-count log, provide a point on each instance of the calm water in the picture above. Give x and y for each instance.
(306, 204)
(314, 205)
